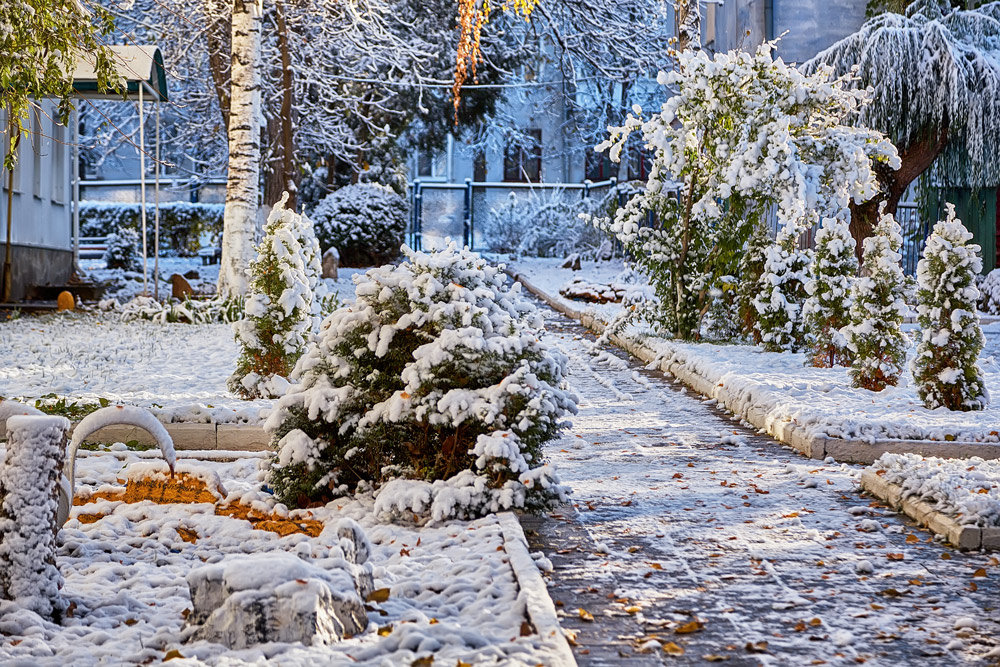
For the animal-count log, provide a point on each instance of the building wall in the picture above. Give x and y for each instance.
(42, 222)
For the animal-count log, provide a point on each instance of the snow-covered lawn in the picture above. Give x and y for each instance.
(820, 400)
(177, 370)
(966, 490)
(451, 588)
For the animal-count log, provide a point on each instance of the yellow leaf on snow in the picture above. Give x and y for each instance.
(689, 627)
(585, 615)
(379, 595)
(671, 648)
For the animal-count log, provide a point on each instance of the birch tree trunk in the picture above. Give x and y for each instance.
(243, 179)
(688, 25)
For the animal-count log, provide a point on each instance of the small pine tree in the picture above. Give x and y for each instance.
(720, 322)
(277, 314)
(945, 369)
(312, 262)
(122, 250)
(877, 307)
(782, 292)
(827, 310)
(751, 268)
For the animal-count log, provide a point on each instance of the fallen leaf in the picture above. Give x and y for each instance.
(689, 627)
(671, 648)
(426, 661)
(378, 595)
(526, 629)
(171, 654)
(131, 621)
(385, 631)
(714, 657)
(634, 609)
(981, 572)
(585, 615)
(895, 556)
(946, 556)
(756, 647)
(912, 539)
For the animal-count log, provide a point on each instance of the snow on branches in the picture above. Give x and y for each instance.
(782, 292)
(743, 135)
(827, 310)
(877, 309)
(435, 372)
(945, 368)
(278, 310)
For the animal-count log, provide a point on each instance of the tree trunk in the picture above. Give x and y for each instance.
(243, 179)
(688, 25)
(219, 36)
(915, 159)
(282, 175)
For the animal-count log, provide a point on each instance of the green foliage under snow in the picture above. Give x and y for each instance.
(365, 222)
(828, 308)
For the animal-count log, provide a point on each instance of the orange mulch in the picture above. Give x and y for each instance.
(184, 488)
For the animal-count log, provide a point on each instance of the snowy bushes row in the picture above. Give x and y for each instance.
(181, 223)
(365, 222)
(546, 223)
(436, 372)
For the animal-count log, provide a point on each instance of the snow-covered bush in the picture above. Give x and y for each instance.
(741, 134)
(436, 370)
(751, 267)
(189, 311)
(365, 222)
(989, 293)
(543, 224)
(875, 336)
(122, 250)
(721, 322)
(782, 292)
(278, 309)
(946, 368)
(304, 231)
(828, 308)
(182, 224)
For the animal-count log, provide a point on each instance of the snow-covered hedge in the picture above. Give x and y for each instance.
(279, 307)
(366, 223)
(122, 250)
(545, 224)
(968, 490)
(182, 224)
(946, 367)
(435, 372)
(989, 293)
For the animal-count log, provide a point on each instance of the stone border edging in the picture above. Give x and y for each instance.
(538, 604)
(787, 432)
(961, 537)
(187, 436)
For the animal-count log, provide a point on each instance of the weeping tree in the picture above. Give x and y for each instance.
(935, 77)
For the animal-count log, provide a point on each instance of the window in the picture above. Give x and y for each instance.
(524, 164)
(598, 166)
(59, 149)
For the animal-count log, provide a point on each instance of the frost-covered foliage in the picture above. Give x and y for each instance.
(304, 231)
(932, 68)
(946, 368)
(744, 134)
(781, 293)
(278, 310)
(874, 335)
(183, 225)
(721, 322)
(29, 479)
(828, 308)
(544, 224)
(435, 371)
(751, 267)
(989, 293)
(364, 222)
(188, 311)
(122, 250)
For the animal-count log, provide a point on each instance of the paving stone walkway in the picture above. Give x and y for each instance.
(692, 539)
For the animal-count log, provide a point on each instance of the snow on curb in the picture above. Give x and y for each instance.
(741, 401)
(186, 436)
(539, 606)
(962, 537)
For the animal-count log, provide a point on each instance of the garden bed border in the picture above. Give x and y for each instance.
(788, 432)
(186, 436)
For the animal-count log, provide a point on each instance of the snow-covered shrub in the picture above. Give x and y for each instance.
(741, 134)
(278, 309)
(874, 335)
(304, 231)
(828, 308)
(182, 224)
(189, 311)
(989, 293)
(782, 293)
(946, 368)
(721, 322)
(434, 370)
(543, 224)
(122, 250)
(365, 222)
(751, 267)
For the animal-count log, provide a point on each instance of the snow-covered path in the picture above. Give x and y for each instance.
(684, 520)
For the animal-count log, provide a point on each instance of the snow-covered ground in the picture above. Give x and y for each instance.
(452, 591)
(696, 531)
(177, 370)
(782, 384)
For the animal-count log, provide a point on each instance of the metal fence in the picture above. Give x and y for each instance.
(439, 211)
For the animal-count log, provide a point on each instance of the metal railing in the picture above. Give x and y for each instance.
(419, 191)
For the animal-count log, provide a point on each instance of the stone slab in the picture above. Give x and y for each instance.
(242, 437)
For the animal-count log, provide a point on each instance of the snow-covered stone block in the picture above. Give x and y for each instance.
(244, 601)
(242, 438)
(30, 481)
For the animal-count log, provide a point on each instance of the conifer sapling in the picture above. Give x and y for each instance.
(782, 292)
(827, 310)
